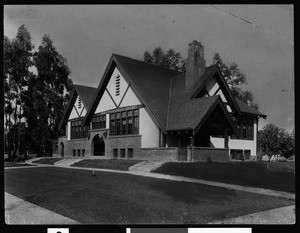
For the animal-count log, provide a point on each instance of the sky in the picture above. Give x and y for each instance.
(259, 38)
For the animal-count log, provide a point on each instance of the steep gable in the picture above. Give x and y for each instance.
(149, 83)
(76, 108)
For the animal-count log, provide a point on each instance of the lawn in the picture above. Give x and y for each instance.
(47, 160)
(123, 165)
(112, 198)
(270, 175)
(12, 164)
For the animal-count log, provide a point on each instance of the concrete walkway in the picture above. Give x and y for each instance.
(283, 215)
(18, 211)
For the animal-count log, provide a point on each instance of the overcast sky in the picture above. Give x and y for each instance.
(260, 38)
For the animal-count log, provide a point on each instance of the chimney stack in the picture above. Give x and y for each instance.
(195, 65)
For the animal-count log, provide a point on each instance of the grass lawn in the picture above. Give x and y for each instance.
(12, 164)
(112, 198)
(270, 175)
(123, 165)
(47, 160)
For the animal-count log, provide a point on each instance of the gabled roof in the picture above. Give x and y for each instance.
(192, 113)
(86, 94)
(150, 83)
(162, 91)
(215, 72)
(245, 108)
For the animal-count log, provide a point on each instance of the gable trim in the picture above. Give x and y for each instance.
(224, 84)
(68, 110)
(110, 97)
(216, 103)
(123, 96)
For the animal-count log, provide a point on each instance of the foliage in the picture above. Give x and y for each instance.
(273, 140)
(170, 59)
(38, 98)
(235, 78)
(17, 61)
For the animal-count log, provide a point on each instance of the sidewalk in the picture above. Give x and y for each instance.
(283, 215)
(18, 211)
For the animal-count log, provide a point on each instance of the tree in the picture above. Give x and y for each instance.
(17, 61)
(46, 94)
(171, 59)
(273, 140)
(287, 144)
(235, 78)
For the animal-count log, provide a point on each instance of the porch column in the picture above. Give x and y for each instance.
(225, 138)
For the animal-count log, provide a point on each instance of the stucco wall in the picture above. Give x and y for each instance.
(238, 143)
(148, 130)
(205, 154)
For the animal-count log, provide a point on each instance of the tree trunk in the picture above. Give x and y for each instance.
(19, 135)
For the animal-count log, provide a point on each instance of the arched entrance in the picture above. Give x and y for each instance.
(62, 149)
(98, 146)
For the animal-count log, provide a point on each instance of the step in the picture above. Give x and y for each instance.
(67, 162)
(146, 166)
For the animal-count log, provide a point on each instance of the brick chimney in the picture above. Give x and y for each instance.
(195, 65)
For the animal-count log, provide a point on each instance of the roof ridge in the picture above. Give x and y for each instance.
(161, 67)
(84, 86)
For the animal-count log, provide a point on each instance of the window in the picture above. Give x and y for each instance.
(245, 127)
(78, 153)
(115, 153)
(124, 123)
(247, 154)
(99, 122)
(77, 131)
(74, 153)
(122, 153)
(236, 154)
(130, 153)
(83, 152)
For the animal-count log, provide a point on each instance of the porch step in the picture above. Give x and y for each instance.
(146, 166)
(33, 159)
(67, 162)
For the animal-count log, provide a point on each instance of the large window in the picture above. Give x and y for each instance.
(244, 127)
(240, 154)
(77, 131)
(99, 122)
(124, 122)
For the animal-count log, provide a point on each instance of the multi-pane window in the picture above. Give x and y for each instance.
(240, 154)
(74, 153)
(130, 153)
(247, 154)
(124, 122)
(99, 122)
(77, 131)
(236, 154)
(245, 127)
(122, 153)
(78, 153)
(115, 153)
(83, 152)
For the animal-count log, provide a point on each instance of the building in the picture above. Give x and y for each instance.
(143, 111)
